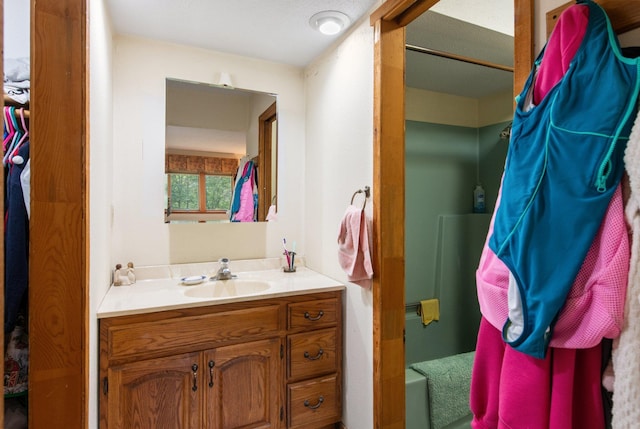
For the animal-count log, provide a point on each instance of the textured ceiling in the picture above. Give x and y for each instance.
(279, 31)
(275, 30)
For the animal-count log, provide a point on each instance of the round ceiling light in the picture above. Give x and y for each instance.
(329, 22)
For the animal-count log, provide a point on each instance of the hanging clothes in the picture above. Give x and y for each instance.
(244, 207)
(594, 307)
(592, 310)
(16, 240)
(562, 169)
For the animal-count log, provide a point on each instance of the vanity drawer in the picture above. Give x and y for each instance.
(312, 353)
(193, 332)
(314, 403)
(312, 314)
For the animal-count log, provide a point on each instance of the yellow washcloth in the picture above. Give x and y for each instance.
(429, 310)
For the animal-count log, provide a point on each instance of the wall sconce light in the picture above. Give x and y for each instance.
(329, 22)
(225, 80)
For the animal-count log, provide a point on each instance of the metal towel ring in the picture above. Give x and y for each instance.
(367, 193)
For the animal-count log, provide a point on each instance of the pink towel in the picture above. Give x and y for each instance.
(354, 255)
(511, 390)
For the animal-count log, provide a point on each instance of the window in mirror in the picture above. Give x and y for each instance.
(184, 192)
(199, 193)
(217, 192)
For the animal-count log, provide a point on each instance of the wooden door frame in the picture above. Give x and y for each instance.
(265, 153)
(389, 22)
(59, 223)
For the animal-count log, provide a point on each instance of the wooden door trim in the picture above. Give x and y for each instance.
(265, 153)
(59, 223)
(389, 22)
(388, 225)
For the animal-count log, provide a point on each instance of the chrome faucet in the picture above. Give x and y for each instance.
(224, 272)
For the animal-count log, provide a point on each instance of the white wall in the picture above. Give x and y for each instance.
(17, 20)
(439, 108)
(140, 235)
(100, 192)
(339, 161)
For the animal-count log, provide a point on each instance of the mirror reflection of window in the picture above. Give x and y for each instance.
(199, 192)
(210, 132)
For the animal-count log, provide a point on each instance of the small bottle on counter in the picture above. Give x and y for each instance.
(478, 199)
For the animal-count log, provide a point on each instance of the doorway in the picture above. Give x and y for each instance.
(389, 23)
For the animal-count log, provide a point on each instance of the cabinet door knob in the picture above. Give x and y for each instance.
(313, 319)
(313, 407)
(211, 365)
(316, 357)
(194, 369)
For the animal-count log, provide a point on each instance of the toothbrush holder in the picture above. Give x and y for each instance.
(289, 262)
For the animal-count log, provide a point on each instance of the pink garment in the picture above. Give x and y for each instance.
(511, 390)
(595, 305)
(247, 209)
(354, 255)
(561, 48)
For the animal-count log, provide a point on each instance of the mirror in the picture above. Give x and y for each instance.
(220, 153)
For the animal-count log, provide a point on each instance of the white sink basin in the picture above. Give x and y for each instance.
(226, 288)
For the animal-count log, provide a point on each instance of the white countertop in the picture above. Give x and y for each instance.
(166, 291)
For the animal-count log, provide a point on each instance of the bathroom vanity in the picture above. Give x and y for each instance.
(267, 357)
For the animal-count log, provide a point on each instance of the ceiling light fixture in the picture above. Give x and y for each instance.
(329, 22)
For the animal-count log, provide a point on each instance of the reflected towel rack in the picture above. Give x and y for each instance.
(367, 194)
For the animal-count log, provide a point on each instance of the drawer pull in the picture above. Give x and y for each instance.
(211, 365)
(194, 369)
(313, 319)
(316, 406)
(316, 357)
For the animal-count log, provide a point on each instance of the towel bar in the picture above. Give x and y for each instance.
(416, 305)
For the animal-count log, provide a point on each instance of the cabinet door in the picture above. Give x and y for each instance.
(156, 393)
(243, 389)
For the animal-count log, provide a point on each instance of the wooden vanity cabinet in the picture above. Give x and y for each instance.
(258, 364)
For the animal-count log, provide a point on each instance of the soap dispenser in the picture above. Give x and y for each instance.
(478, 199)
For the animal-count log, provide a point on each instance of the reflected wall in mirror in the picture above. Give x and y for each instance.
(220, 153)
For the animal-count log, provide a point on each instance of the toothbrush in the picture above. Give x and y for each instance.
(293, 255)
(286, 252)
